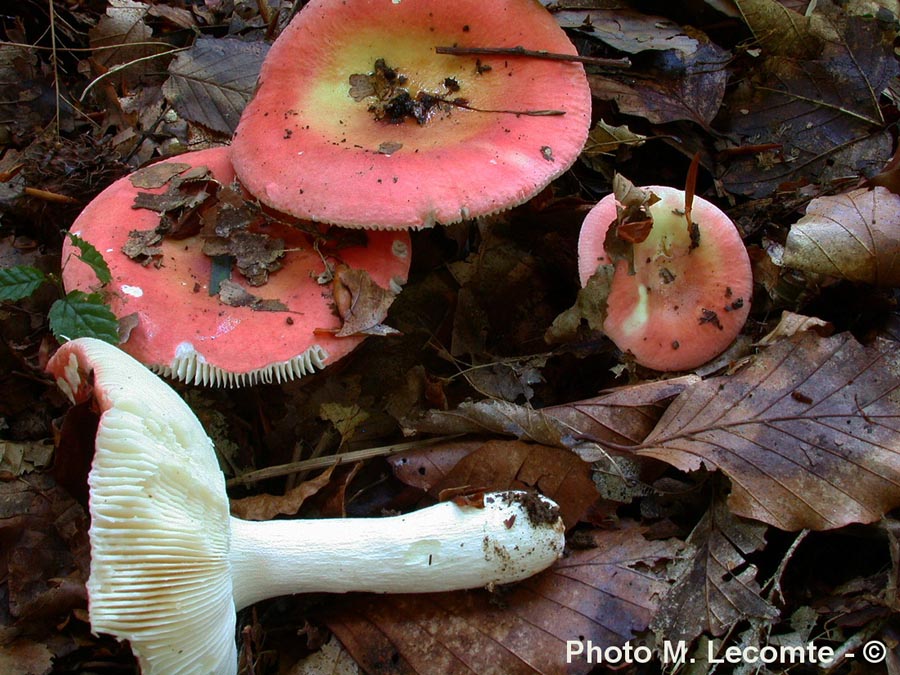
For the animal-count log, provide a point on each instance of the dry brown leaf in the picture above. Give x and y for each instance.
(792, 324)
(623, 416)
(266, 507)
(124, 34)
(854, 236)
(716, 586)
(212, 81)
(604, 595)
(425, 467)
(809, 433)
(24, 657)
(685, 87)
(331, 659)
(366, 306)
(501, 465)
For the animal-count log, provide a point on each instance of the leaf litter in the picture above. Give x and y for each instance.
(680, 493)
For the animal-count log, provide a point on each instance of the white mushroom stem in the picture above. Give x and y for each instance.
(441, 548)
(169, 565)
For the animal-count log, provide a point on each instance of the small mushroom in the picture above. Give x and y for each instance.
(358, 122)
(282, 330)
(689, 295)
(170, 566)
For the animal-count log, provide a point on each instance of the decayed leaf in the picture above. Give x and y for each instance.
(503, 465)
(19, 458)
(716, 586)
(25, 657)
(809, 433)
(362, 304)
(853, 236)
(255, 254)
(605, 138)
(157, 175)
(266, 507)
(605, 595)
(813, 119)
(792, 324)
(627, 30)
(235, 295)
(686, 87)
(331, 659)
(783, 32)
(588, 312)
(212, 82)
(125, 34)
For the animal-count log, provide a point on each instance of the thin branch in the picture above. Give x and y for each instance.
(122, 66)
(532, 54)
(329, 460)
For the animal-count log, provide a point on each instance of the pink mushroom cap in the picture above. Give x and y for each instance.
(684, 305)
(183, 332)
(306, 147)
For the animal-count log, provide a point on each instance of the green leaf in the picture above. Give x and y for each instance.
(20, 281)
(82, 314)
(92, 257)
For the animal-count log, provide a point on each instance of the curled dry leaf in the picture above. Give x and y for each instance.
(605, 594)
(854, 236)
(809, 433)
(266, 507)
(792, 324)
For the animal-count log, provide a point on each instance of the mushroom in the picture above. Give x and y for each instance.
(358, 122)
(283, 329)
(689, 295)
(170, 566)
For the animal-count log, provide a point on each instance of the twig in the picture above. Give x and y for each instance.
(55, 62)
(329, 460)
(532, 54)
(122, 66)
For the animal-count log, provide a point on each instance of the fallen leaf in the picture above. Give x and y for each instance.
(125, 37)
(157, 175)
(331, 659)
(627, 30)
(716, 585)
(603, 595)
(266, 507)
(623, 416)
(682, 87)
(819, 116)
(210, 83)
(235, 295)
(503, 465)
(852, 236)
(367, 305)
(19, 458)
(808, 433)
(24, 657)
(255, 254)
(792, 324)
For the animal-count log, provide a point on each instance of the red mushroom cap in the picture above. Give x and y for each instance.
(306, 147)
(185, 333)
(683, 306)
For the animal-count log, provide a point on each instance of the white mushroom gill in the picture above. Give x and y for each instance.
(169, 565)
(191, 367)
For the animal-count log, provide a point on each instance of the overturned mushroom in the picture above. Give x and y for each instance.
(169, 566)
(689, 292)
(357, 121)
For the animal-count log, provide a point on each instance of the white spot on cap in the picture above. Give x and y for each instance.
(133, 291)
(399, 248)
